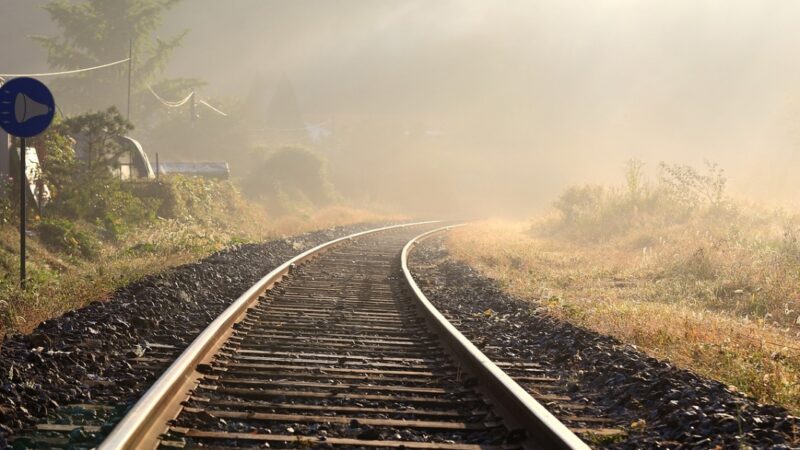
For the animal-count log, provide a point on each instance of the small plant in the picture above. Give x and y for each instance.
(693, 188)
(697, 266)
(635, 181)
(595, 213)
(290, 180)
(7, 210)
(581, 203)
(61, 235)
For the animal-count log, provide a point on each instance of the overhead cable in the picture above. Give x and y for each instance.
(167, 102)
(203, 102)
(66, 72)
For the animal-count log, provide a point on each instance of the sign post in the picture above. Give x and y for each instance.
(26, 110)
(23, 211)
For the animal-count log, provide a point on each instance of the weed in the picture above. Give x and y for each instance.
(62, 235)
(721, 300)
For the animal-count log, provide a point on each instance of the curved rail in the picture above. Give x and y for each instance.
(149, 414)
(513, 403)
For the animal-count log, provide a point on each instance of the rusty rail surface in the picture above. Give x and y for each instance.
(340, 353)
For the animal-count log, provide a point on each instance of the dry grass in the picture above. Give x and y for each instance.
(721, 298)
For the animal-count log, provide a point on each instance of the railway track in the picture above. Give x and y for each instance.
(338, 348)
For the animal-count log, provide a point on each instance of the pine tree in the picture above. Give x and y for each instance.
(95, 32)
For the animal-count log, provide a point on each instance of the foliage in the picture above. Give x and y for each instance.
(106, 202)
(84, 188)
(721, 298)
(56, 155)
(95, 32)
(581, 203)
(63, 235)
(597, 213)
(97, 133)
(7, 211)
(189, 198)
(635, 181)
(289, 180)
(693, 188)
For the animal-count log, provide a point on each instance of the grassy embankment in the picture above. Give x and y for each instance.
(674, 268)
(76, 261)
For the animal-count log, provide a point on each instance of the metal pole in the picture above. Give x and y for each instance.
(5, 149)
(158, 167)
(22, 211)
(130, 70)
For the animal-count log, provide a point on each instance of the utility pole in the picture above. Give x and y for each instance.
(5, 153)
(130, 76)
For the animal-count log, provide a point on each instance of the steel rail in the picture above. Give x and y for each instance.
(513, 403)
(146, 420)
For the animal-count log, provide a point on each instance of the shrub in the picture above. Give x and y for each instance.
(85, 189)
(693, 188)
(61, 235)
(290, 179)
(581, 203)
(596, 213)
(107, 202)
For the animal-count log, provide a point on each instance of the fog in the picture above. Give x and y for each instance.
(484, 107)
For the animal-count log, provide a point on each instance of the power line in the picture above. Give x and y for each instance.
(179, 103)
(165, 102)
(168, 103)
(203, 102)
(66, 72)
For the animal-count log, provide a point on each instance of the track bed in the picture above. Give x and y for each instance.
(338, 354)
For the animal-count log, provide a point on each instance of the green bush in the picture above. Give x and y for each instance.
(290, 179)
(107, 202)
(61, 235)
(86, 190)
(187, 198)
(7, 210)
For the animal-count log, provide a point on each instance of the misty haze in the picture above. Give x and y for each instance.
(450, 224)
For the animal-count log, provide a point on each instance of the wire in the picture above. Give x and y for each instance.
(182, 102)
(169, 103)
(203, 102)
(66, 72)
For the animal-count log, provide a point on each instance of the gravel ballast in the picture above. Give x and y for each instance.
(85, 356)
(659, 405)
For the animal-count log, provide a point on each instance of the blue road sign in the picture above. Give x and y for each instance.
(26, 107)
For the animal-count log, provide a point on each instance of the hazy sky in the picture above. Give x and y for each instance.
(514, 99)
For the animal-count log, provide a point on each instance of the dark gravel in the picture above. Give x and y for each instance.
(679, 409)
(85, 355)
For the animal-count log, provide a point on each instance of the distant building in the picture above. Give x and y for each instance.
(133, 162)
(207, 169)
